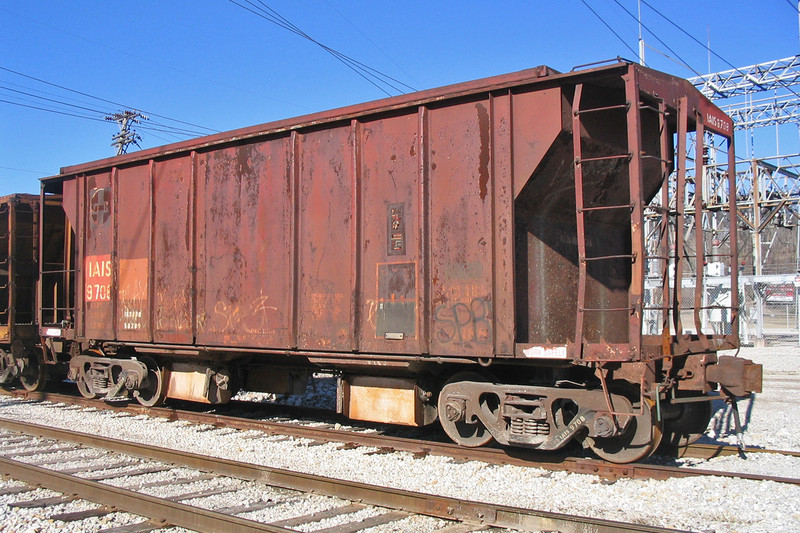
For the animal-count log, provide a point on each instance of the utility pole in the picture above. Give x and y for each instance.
(126, 135)
(641, 39)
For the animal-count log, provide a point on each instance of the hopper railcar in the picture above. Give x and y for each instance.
(475, 253)
(19, 233)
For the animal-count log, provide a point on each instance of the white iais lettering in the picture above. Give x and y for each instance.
(98, 278)
(99, 269)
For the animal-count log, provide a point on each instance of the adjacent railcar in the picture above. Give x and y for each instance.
(475, 253)
(19, 336)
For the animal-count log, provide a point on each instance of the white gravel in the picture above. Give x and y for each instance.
(698, 504)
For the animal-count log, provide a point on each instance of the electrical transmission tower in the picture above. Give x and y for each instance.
(126, 135)
(778, 77)
(767, 196)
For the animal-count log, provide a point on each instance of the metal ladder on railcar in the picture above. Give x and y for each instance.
(634, 157)
(700, 255)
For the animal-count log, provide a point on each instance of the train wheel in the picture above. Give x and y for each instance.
(6, 367)
(689, 426)
(155, 392)
(34, 374)
(84, 388)
(468, 433)
(640, 438)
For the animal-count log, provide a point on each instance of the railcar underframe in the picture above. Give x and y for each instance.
(474, 253)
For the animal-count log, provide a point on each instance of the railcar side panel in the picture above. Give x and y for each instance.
(326, 271)
(393, 312)
(98, 243)
(132, 268)
(172, 251)
(461, 194)
(245, 245)
(502, 128)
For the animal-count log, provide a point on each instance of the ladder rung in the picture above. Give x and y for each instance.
(607, 108)
(614, 309)
(604, 158)
(600, 208)
(648, 156)
(605, 257)
(654, 109)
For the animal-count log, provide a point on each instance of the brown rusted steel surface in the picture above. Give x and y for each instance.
(639, 142)
(19, 215)
(437, 224)
(178, 514)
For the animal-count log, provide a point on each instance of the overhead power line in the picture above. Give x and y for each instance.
(50, 110)
(708, 48)
(380, 80)
(664, 44)
(607, 25)
(39, 172)
(60, 102)
(173, 129)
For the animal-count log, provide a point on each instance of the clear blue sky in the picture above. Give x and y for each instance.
(214, 64)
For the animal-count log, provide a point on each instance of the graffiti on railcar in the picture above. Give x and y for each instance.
(256, 316)
(172, 314)
(464, 322)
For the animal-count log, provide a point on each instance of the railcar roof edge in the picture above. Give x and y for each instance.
(527, 77)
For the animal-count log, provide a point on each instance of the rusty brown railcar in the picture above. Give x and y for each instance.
(19, 222)
(475, 253)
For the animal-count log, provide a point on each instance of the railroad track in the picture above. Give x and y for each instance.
(389, 443)
(121, 459)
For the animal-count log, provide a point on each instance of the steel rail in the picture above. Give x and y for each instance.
(509, 456)
(175, 513)
(426, 504)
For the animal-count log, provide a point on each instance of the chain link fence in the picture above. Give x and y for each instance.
(768, 308)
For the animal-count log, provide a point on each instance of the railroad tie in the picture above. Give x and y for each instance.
(321, 515)
(81, 515)
(373, 521)
(42, 502)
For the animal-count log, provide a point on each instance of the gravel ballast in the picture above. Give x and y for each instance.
(698, 504)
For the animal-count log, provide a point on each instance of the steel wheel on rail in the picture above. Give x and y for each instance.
(689, 425)
(84, 388)
(7, 367)
(641, 435)
(155, 390)
(84, 376)
(34, 374)
(452, 414)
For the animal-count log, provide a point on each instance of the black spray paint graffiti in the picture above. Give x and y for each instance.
(462, 323)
